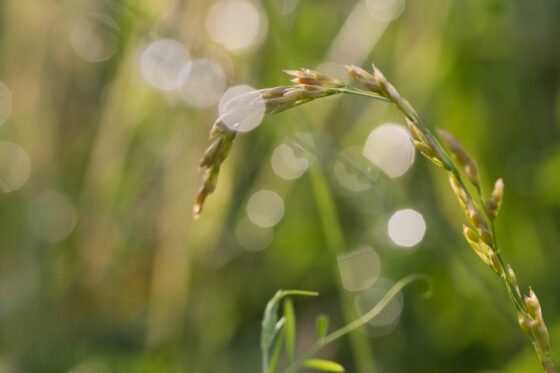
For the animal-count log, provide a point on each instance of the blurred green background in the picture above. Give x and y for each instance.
(105, 108)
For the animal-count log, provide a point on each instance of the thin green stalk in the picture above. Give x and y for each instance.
(329, 338)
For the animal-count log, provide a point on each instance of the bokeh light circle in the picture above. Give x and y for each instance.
(242, 108)
(265, 208)
(202, 83)
(406, 228)
(15, 167)
(359, 269)
(52, 216)
(236, 24)
(390, 148)
(95, 38)
(164, 64)
(286, 164)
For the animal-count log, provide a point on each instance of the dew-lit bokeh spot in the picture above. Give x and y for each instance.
(236, 24)
(359, 268)
(388, 318)
(95, 37)
(389, 147)
(242, 108)
(202, 83)
(253, 237)
(350, 170)
(164, 64)
(287, 164)
(348, 178)
(406, 228)
(265, 208)
(5, 103)
(15, 166)
(52, 216)
(385, 10)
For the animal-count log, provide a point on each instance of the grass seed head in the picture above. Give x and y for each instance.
(483, 251)
(513, 281)
(533, 305)
(461, 157)
(458, 189)
(363, 77)
(312, 77)
(486, 236)
(496, 264)
(523, 323)
(495, 201)
(475, 217)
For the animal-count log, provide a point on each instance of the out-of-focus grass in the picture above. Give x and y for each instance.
(112, 273)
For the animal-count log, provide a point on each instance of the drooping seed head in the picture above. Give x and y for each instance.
(387, 89)
(415, 132)
(496, 264)
(470, 235)
(363, 77)
(461, 157)
(523, 323)
(513, 280)
(483, 251)
(475, 217)
(533, 305)
(458, 189)
(541, 333)
(428, 151)
(312, 77)
(495, 201)
(486, 236)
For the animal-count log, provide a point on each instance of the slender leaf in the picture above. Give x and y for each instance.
(323, 365)
(290, 328)
(271, 325)
(277, 352)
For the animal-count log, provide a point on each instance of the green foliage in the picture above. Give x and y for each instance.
(323, 365)
(281, 332)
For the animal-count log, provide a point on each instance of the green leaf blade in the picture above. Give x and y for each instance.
(290, 328)
(323, 365)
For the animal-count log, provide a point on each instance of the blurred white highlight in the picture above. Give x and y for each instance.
(52, 216)
(15, 167)
(359, 269)
(265, 208)
(287, 164)
(406, 227)
(242, 108)
(94, 38)
(236, 24)
(202, 83)
(164, 64)
(390, 148)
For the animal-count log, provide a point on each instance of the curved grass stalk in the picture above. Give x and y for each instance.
(364, 319)
(479, 231)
